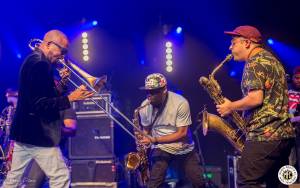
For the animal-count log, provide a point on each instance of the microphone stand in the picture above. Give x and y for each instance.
(208, 183)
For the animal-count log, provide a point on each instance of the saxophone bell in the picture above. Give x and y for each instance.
(132, 160)
(205, 122)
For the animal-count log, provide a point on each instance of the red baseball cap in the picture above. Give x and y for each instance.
(248, 32)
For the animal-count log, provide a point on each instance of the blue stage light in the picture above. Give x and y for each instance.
(270, 41)
(95, 22)
(19, 56)
(232, 73)
(178, 30)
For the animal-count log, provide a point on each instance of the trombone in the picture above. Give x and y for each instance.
(94, 84)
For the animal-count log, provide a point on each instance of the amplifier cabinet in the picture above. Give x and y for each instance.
(94, 139)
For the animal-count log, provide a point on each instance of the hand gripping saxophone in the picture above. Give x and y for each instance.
(138, 161)
(214, 122)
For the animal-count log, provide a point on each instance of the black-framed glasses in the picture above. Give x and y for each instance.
(63, 50)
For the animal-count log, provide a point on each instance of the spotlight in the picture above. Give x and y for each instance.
(19, 56)
(178, 30)
(85, 58)
(169, 50)
(169, 62)
(169, 56)
(84, 35)
(85, 46)
(168, 44)
(85, 52)
(84, 41)
(232, 73)
(270, 41)
(95, 22)
(169, 68)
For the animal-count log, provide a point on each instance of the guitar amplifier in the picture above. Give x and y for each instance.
(88, 108)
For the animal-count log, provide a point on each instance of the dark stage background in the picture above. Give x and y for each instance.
(129, 42)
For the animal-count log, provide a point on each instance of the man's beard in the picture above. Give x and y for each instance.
(156, 104)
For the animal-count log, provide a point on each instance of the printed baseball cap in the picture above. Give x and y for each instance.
(154, 81)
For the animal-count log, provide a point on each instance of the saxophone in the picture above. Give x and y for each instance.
(7, 143)
(214, 122)
(138, 161)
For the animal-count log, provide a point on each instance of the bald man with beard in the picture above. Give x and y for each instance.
(36, 128)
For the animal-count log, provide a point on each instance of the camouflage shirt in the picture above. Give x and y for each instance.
(269, 121)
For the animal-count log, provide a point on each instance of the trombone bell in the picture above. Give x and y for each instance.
(97, 83)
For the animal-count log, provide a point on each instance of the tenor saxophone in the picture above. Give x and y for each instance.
(213, 122)
(138, 161)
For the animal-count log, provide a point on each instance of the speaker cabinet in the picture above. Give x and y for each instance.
(100, 173)
(93, 139)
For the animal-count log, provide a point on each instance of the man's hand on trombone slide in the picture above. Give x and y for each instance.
(80, 94)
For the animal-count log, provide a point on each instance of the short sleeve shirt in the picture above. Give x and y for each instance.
(270, 121)
(175, 114)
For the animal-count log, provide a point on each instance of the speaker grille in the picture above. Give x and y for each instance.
(93, 139)
(93, 171)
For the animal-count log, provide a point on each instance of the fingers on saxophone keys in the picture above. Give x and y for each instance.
(219, 111)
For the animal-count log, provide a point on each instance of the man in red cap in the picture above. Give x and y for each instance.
(270, 135)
